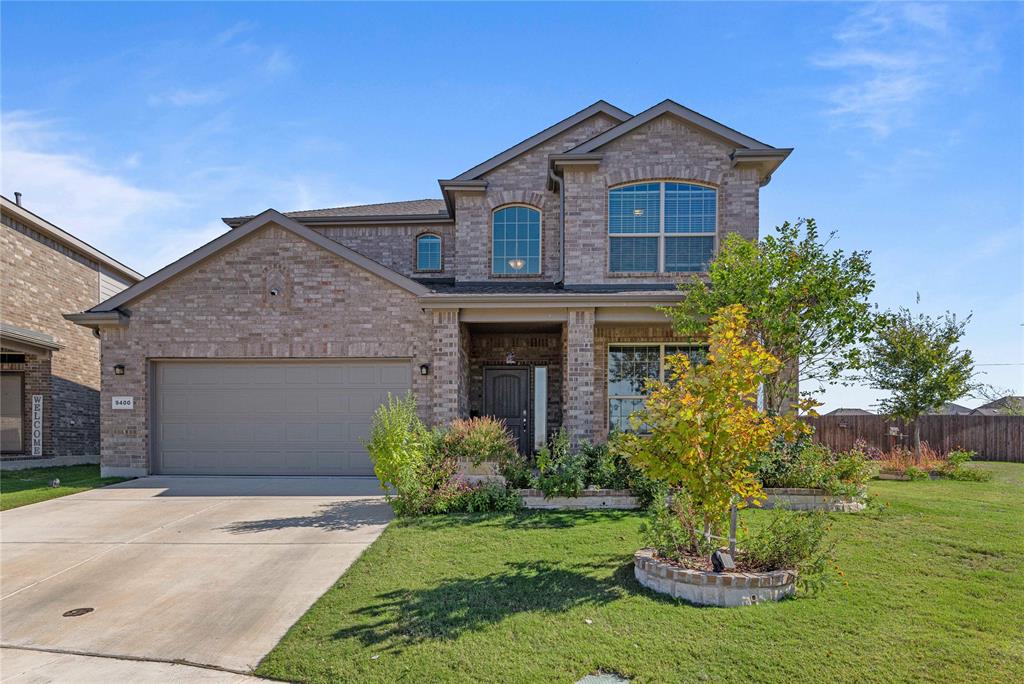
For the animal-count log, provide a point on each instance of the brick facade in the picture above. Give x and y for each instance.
(395, 246)
(332, 309)
(35, 373)
(664, 149)
(41, 280)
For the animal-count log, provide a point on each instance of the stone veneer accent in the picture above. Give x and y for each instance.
(724, 589)
(332, 309)
(589, 499)
(799, 499)
(41, 279)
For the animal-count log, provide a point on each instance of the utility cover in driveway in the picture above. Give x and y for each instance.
(269, 418)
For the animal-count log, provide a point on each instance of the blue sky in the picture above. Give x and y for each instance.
(137, 126)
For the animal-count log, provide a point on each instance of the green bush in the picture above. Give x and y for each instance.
(399, 447)
(956, 467)
(562, 473)
(676, 532)
(486, 498)
(915, 473)
(517, 472)
(806, 464)
(791, 540)
(477, 440)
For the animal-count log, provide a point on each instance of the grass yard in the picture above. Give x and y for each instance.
(935, 594)
(23, 487)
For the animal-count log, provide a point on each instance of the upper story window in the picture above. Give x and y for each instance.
(428, 252)
(515, 241)
(661, 227)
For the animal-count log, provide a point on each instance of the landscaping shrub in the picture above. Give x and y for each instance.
(480, 439)
(676, 532)
(517, 472)
(562, 473)
(802, 463)
(791, 540)
(399, 447)
(956, 468)
(420, 467)
(490, 497)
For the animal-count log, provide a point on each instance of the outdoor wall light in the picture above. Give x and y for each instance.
(119, 369)
(424, 369)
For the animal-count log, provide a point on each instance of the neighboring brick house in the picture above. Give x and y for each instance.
(50, 366)
(267, 350)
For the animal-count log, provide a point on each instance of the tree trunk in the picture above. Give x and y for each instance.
(917, 440)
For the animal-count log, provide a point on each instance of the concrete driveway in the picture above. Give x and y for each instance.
(206, 570)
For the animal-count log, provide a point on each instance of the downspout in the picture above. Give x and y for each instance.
(555, 178)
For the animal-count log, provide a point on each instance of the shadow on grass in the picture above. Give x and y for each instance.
(468, 604)
(338, 516)
(523, 520)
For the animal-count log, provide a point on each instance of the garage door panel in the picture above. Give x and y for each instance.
(283, 418)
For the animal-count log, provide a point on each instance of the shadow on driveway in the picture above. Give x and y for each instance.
(332, 517)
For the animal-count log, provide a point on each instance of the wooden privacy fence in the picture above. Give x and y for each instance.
(993, 438)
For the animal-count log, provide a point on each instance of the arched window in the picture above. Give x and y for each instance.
(428, 252)
(661, 227)
(515, 240)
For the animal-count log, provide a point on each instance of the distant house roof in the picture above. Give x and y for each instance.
(417, 211)
(950, 409)
(69, 241)
(999, 406)
(850, 412)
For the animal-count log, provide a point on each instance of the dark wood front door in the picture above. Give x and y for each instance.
(507, 398)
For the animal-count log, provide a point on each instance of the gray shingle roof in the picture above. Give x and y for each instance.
(420, 207)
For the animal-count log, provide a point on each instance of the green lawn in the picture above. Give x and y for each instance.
(23, 487)
(935, 594)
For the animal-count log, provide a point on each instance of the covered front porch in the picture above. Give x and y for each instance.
(539, 368)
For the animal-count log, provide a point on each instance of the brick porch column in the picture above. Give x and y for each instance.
(578, 405)
(446, 366)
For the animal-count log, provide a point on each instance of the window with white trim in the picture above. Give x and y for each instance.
(515, 241)
(428, 252)
(661, 227)
(630, 366)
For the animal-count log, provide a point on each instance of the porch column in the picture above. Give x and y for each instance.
(447, 365)
(578, 404)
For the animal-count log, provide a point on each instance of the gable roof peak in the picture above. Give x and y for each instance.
(269, 216)
(669, 106)
(599, 107)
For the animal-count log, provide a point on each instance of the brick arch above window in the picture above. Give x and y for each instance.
(680, 173)
(499, 199)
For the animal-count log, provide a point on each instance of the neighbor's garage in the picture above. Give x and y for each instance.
(268, 418)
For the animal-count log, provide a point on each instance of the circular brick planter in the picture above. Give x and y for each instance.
(725, 589)
(796, 499)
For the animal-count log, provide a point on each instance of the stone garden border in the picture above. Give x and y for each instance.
(724, 589)
(623, 499)
(799, 499)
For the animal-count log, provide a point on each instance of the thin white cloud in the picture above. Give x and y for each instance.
(891, 58)
(278, 63)
(184, 97)
(230, 33)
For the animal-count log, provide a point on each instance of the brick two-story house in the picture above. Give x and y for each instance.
(526, 292)
(49, 367)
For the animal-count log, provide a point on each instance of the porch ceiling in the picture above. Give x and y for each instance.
(511, 327)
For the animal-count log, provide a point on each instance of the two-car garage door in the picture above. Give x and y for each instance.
(269, 418)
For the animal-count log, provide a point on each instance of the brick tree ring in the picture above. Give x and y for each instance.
(702, 588)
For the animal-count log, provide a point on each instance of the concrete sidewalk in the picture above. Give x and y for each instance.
(208, 570)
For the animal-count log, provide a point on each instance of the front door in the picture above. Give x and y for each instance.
(507, 398)
(12, 420)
